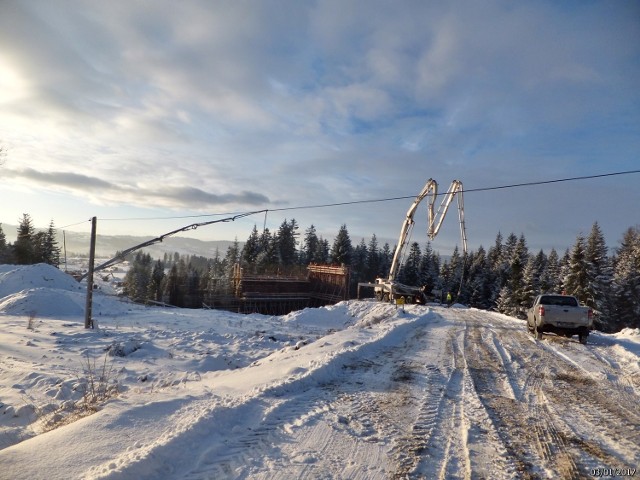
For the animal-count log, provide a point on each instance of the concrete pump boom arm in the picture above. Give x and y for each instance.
(431, 187)
(434, 228)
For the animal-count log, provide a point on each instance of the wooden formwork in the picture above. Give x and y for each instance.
(278, 294)
(329, 284)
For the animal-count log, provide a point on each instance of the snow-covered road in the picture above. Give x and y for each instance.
(465, 394)
(357, 390)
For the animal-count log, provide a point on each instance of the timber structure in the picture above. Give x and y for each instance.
(278, 294)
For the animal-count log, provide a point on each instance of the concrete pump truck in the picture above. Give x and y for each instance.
(389, 289)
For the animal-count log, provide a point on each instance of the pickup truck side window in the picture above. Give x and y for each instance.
(558, 300)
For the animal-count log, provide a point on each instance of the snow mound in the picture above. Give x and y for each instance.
(629, 333)
(43, 302)
(41, 290)
(16, 278)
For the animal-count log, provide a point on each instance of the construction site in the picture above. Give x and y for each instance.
(280, 294)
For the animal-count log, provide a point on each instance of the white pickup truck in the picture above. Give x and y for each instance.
(560, 314)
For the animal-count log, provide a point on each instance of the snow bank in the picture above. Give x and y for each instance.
(45, 291)
(43, 302)
(15, 278)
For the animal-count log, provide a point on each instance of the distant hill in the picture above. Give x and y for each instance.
(107, 245)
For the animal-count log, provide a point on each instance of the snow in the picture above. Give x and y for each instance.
(353, 390)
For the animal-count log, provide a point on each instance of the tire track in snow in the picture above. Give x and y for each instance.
(514, 408)
(582, 417)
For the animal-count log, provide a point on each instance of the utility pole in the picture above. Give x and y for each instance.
(88, 321)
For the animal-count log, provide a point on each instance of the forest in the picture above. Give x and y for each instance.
(504, 277)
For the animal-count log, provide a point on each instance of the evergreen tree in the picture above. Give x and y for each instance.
(310, 246)
(268, 256)
(479, 280)
(550, 275)
(626, 281)
(429, 269)
(495, 257)
(373, 260)
(342, 249)
(138, 278)
(173, 292)
(563, 267)
(5, 248)
(410, 271)
(600, 277)
(385, 260)
(358, 266)
(576, 280)
(321, 256)
(286, 243)
(38, 243)
(193, 298)
(251, 249)
(155, 283)
(23, 248)
(216, 283)
(231, 258)
(511, 299)
(531, 281)
(50, 249)
(455, 274)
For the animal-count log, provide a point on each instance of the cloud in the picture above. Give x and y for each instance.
(111, 193)
(235, 103)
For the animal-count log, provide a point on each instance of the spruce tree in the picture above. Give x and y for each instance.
(626, 281)
(268, 256)
(251, 249)
(309, 246)
(322, 252)
(5, 248)
(230, 260)
(600, 277)
(286, 241)
(373, 260)
(138, 278)
(155, 283)
(173, 292)
(385, 260)
(51, 250)
(479, 280)
(576, 280)
(24, 248)
(530, 281)
(550, 279)
(358, 265)
(429, 269)
(342, 249)
(410, 271)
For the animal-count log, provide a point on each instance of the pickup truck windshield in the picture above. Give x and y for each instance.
(559, 300)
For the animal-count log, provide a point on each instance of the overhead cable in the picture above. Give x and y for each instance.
(381, 200)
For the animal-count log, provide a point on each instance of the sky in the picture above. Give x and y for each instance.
(155, 115)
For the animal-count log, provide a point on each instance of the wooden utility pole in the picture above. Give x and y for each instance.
(88, 321)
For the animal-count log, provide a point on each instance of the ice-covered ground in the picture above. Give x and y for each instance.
(355, 390)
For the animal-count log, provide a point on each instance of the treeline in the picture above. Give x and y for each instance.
(505, 277)
(30, 246)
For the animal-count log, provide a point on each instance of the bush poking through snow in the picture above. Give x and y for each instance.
(98, 385)
(93, 387)
(31, 323)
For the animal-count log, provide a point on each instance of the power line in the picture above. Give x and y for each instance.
(379, 200)
(74, 224)
(544, 182)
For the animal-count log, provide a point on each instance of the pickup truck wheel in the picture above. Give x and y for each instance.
(537, 333)
(582, 337)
